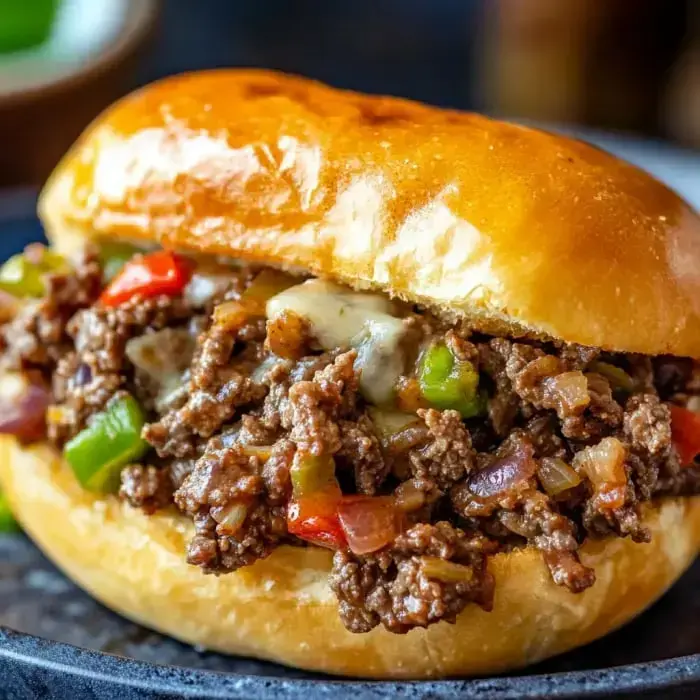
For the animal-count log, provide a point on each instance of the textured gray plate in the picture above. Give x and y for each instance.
(38, 600)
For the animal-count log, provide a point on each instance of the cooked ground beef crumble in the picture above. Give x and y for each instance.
(561, 443)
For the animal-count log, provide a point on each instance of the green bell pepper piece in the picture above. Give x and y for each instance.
(23, 278)
(311, 475)
(448, 383)
(113, 257)
(7, 520)
(113, 439)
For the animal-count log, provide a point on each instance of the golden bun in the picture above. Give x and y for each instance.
(282, 609)
(518, 230)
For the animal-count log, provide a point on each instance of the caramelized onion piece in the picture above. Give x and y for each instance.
(404, 440)
(505, 473)
(230, 518)
(260, 374)
(604, 465)
(409, 397)
(23, 405)
(517, 524)
(556, 476)
(262, 452)
(408, 497)
(369, 522)
(207, 284)
(9, 306)
(231, 315)
(267, 284)
(445, 571)
(388, 423)
(568, 390)
(163, 355)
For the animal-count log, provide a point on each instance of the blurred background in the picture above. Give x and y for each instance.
(622, 65)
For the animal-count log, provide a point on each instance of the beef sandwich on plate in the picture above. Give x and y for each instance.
(352, 383)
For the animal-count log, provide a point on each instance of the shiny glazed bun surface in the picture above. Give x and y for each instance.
(518, 230)
(282, 608)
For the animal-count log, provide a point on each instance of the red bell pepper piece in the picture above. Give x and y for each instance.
(162, 272)
(315, 519)
(361, 523)
(685, 432)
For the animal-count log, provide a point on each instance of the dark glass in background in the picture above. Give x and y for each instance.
(602, 63)
(630, 65)
(424, 49)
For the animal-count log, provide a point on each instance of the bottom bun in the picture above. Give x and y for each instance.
(282, 609)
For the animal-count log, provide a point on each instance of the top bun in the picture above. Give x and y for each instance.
(519, 231)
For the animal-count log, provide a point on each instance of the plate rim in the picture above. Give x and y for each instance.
(90, 665)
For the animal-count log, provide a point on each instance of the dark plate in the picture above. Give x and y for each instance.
(96, 653)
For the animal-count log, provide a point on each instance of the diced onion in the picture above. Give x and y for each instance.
(409, 397)
(411, 436)
(408, 497)
(445, 571)
(556, 476)
(9, 306)
(604, 465)
(369, 522)
(206, 285)
(163, 354)
(23, 405)
(230, 518)
(266, 285)
(545, 366)
(173, 393)
(262, 452)
(388, 423)
(604, 462)
(505, 473)
(231, 315)
(259, 374)
(517, 524)
(570, 389)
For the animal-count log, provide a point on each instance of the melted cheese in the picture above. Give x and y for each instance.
(340, 317)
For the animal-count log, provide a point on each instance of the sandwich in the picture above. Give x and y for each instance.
(351, 383)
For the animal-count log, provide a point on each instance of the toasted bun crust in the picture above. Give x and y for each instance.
(282, 609)
(518, 230)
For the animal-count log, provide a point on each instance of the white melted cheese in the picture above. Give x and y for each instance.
(340, 317)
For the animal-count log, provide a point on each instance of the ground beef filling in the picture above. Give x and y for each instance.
(255, 396)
